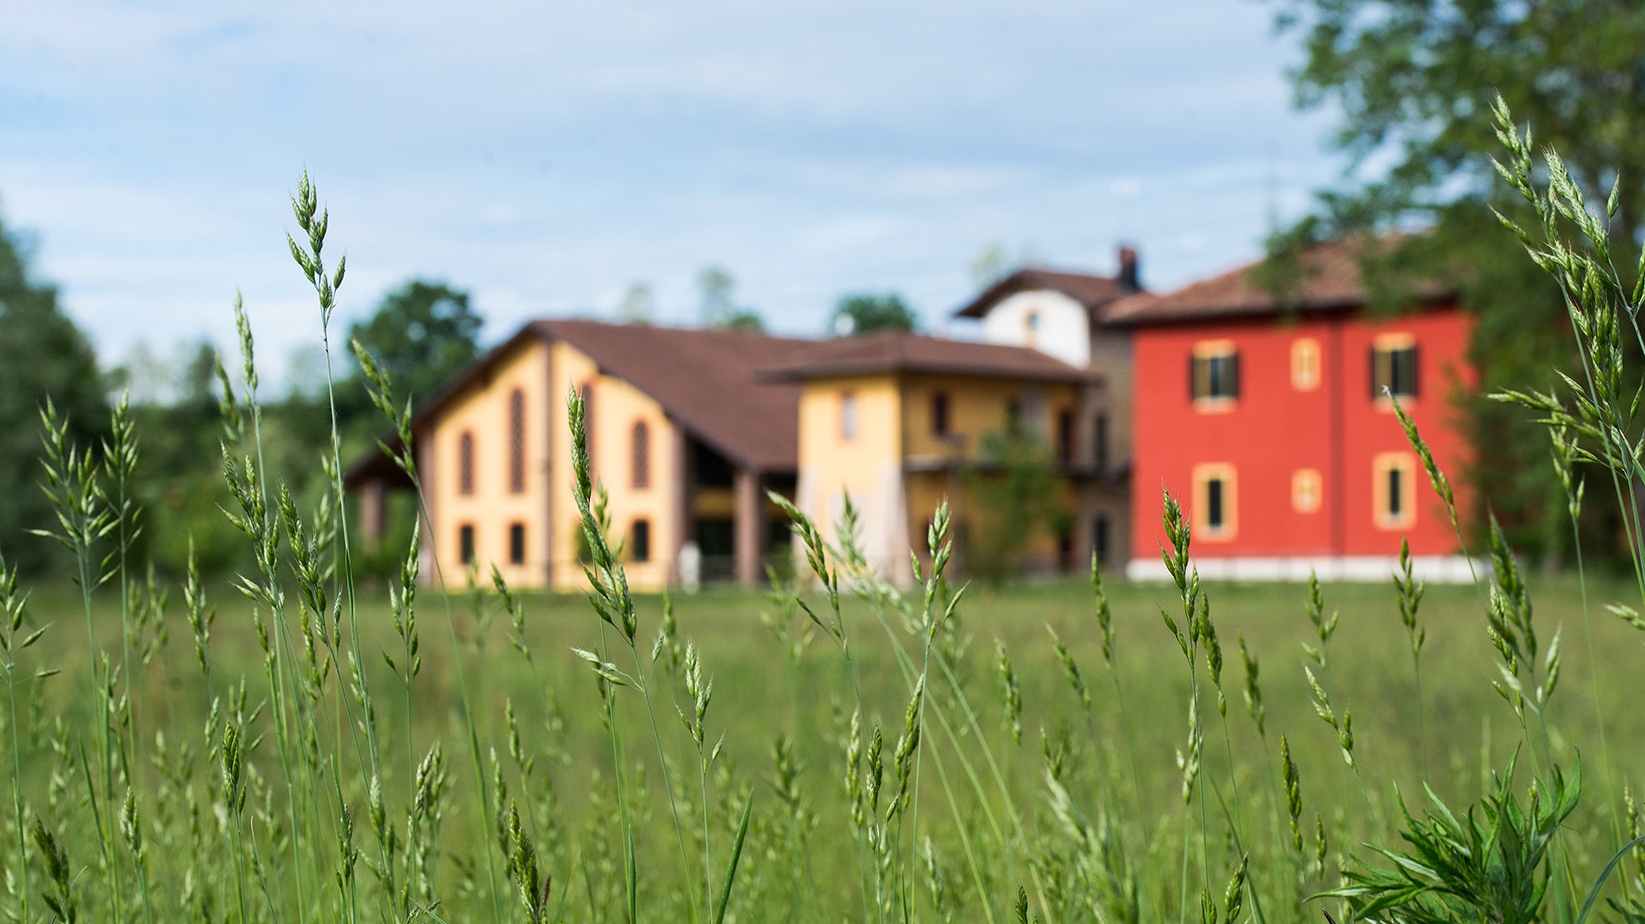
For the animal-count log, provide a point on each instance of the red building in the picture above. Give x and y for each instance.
(1272, 428)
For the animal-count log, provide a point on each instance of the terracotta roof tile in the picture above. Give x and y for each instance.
(901, 352)
(1328, 278)
(706, 379)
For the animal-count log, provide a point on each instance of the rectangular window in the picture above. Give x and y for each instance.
(587, 392)
(1393, 490)
(465, 463)
(1305, 364)
(516, 543)
(1213, 375)
(1099, 538)
(1099, 451)
(1216, 502)
(642, 455)
(939, 414)
(639, 541)
(1307, 492)
(1394, 366)
(1065, 440)
(516, 442)
(848, 415)
(465, 544)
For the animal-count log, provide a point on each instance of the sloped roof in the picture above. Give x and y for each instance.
(1091, 291)
(1328, 277)
(705, 379)
(890, 351)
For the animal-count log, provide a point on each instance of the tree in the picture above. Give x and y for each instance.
(719, 306)
(42, 356)
(422, 334)
(862, 313)
(1415, 82)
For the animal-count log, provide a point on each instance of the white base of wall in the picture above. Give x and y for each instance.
(1437, 569)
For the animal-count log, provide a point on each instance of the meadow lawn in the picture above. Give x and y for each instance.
(806, 859)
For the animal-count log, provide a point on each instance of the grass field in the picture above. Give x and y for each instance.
(805, 857)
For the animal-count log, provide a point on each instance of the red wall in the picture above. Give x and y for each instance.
(1274, 429)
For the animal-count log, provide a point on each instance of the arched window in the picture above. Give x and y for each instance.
(465, 463)
(516, 442)
(642, 454)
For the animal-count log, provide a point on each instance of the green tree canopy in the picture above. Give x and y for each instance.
(42, 355)
(868, 313)
(1415, 82)
(422, 333)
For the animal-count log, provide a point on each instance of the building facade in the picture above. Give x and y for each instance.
(1275, 427)
(683, 436)
(902, 423)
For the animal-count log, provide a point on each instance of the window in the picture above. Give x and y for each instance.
(639, 541)
(587, 392)
(1394, 366)
(642, 455)
(465, 463)
(1216, 502)
(1305, 364)
(1213, 375)
(1307, 492)
(516, 442)
(939, 414)
(1099, 538)
(516, 543)
(1099, 431)
(848, 415)
(1065, 439)
(465, 544)
(1393, 490)
(1032, 322)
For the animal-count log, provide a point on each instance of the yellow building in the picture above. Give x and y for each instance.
(682, 434)
(902, 422)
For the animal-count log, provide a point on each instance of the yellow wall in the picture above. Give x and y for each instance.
(975, 407)
(544, 373)
(867, 466)
(617, 406)
(484, 411)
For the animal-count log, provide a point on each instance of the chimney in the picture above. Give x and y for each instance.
(1128, 268)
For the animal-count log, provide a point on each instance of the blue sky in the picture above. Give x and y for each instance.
(547, 155)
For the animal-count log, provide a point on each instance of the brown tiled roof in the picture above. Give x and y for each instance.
(1328, 278)
(706, 380)
(1091, 291)
(900, 352)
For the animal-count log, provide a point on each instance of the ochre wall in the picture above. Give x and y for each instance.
(483, 410)
(615, 407)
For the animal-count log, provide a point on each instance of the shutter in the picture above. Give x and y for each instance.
(1375, 378)
(1193, 376)
(1416, 363)
(1233, 374)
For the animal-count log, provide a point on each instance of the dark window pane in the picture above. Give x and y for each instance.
(516, 543)
(639, 541)
(465, 544)
(939, 414)
(1099, 538)
(1395, 500)
(1213, 503)
(1100, 450)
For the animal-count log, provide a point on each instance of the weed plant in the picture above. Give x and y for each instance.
(305, 753)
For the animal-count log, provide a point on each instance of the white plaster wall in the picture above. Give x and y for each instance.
(1064, 329)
